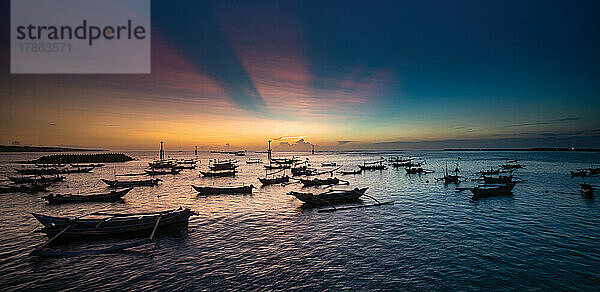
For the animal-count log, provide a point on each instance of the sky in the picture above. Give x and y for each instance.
(335, 74)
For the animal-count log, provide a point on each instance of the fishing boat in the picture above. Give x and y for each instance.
(254, 161)
(319, 182)
(240, 153)
(131, 183)
(275, 180)
(292, 160)
(399, 159)
(218, 173)
(330, 197)
(497, 179)
(111, 224)
(375, 165)
(41, 171)
(162, 163)
(346, 172)
(453, 178)
(594, 171)
(24, 188)
(302, 170)
(77, 170)
(112, 196)
(489, 171)
(417, 170)
(278, 166)
(579, 173)
(223, 165)
(87, 165)
(162, 171)
(36, 179)
(186, 161)
(328, 164)
(512, 164)
(493, 190)
(224, 190)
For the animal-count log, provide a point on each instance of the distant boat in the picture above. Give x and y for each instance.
(69, 198)
(254, 161)
(25, 188)
(579, 173)
(218, 173)
(326, 164)
(36, 179)
(359, 171)
(77, 170)
(162, 171)
(131, 183)
(88, 165)
(224, 190)
(330, 197)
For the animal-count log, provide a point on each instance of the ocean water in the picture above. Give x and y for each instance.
(545, 237)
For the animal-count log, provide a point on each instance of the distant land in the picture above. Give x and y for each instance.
(526, 149)
(4, 148)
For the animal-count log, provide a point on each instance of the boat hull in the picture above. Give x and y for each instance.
(223, 191)
(330, 198)
(108, 197)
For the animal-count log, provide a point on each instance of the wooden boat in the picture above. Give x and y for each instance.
(253, 161)
(186, 161)
(278, 166)
(372, 167)
(77, 170)
(36, 179)
(88, 165)
(511, 164)
(399, 159)
(24, 188)
(111, 224)
(594, 171)
(240, 153)
(41, 171)
(224, 190)
(112, 196)
(162, 163)
(302, 170)
(273, 181)
(328, 164)
(329, 197)
(162, 171)
(218, 173)
(499, 179)
(345, 172)
(417, 170)
(579, 173)
(489, 172)
(319, 182)
(131, 183)
(493, 190)
(453, 178)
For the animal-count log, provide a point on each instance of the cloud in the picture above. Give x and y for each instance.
(343, 142)
(300, 145)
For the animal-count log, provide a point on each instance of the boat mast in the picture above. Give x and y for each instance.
(196, 151)
(313, 149)
(269, 150)
(162, 151)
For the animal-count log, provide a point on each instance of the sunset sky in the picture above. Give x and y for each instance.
(338, 74)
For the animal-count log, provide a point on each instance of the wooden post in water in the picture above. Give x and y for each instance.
(269, 151)
(313, 149)
(162, 151)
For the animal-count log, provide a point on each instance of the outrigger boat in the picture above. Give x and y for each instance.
(418, 170)
(88, 165)
(187, 161)
(273, 181)
(493, 190)
(37, 171)
(319, 182)
(224, 190)
(131, 183)
(24, 188)
(375, 165)
(185, 166)
(451, 178)
(36, 179)
(77, 170)
(512, 164)
(225, 165)
(330, 197)
(162, 163)
(302, 170)
(328, 164)
(130, 225)
(498, 179)
(162, 171)
(218, 173)
(579, 173)
(278, 166)
(112, 196)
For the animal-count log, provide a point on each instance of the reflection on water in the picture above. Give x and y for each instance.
(546, 235)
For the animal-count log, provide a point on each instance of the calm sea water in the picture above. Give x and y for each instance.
(545, 237)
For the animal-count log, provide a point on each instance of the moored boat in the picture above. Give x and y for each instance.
(25, 188)
(218, 173)
(329, 197)
(111, 224)
(579, 173)
(319, 182)
(345, 172)
(69, 198)
(36, 179)
(272, 181)
(162, 171)
(493, 190)
(131, 183)
(224, 190)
